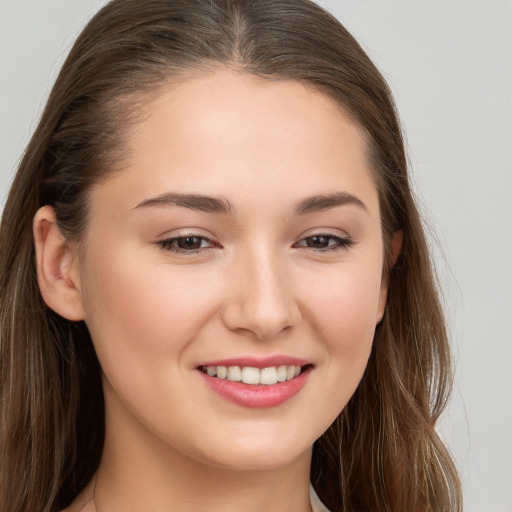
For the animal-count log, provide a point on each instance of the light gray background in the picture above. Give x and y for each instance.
(449, 63)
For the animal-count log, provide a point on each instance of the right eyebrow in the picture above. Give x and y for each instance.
(192, 201)
(324, 202)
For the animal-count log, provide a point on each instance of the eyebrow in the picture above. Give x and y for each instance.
(208, 204)
(192, 201)
(322, 202)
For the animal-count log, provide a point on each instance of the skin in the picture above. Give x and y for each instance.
(257, 289)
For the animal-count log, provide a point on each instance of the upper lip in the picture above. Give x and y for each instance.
(258, 362)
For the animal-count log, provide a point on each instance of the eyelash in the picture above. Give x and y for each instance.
(170, 244)
(340, 243)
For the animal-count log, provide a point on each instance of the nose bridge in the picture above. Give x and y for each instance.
(263, 300)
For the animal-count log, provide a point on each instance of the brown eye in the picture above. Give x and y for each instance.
(325, 242)
(319, 242)
(189, 242)
(186, 244)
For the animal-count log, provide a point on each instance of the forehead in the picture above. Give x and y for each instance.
(234, 134)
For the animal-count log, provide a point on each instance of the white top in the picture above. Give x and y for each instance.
(316, 504)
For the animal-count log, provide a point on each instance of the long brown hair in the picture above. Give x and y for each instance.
(382, 453)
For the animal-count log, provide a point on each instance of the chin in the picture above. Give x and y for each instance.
(258, 454)
(259, 462)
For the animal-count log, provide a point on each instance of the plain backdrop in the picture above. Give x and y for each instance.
(449, 63)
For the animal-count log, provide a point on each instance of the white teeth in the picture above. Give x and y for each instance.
(250, 375)
(268, 376)
(281, 373)
(222, 372)
(234, 373)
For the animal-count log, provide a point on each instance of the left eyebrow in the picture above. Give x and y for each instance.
(192, 201)
(322, 202)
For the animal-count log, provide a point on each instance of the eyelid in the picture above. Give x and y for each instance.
(344, 241)
(167, 243)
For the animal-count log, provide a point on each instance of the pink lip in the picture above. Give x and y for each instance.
(260, 396)
(257, 362)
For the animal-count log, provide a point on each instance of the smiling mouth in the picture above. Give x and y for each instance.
(255, 376)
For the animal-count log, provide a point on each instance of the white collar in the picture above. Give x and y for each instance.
(316, 504)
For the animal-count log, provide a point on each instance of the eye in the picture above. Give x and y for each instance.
(187, 244)
(325, 242)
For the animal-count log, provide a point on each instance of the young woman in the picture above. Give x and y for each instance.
(215, 288)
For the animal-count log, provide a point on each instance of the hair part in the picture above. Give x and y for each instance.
(382, 453)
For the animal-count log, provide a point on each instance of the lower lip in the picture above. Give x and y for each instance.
(260, 396)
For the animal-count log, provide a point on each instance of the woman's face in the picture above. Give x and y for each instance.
(244, 232)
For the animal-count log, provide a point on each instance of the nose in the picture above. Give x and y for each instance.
(261, 299)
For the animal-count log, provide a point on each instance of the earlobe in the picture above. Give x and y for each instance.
(396, 247)
(57, 267)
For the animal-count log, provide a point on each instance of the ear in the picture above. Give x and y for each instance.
(396, 247)
(57, 267)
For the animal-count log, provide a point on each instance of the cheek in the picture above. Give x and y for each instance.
(345, 312)
(139, 312)
(349, 294)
